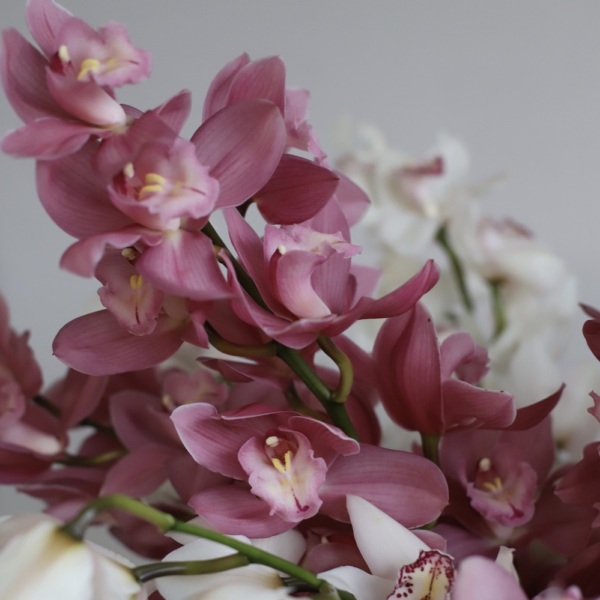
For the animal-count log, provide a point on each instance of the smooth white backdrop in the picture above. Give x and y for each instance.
(518, 82)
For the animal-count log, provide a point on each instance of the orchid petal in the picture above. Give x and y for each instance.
(75, 197)
(86, 100)
(235, 510)
(297, 190)
(408, 364)
(97, 345)
(218, 91)
(45, 18)
(384, 543)
(138, 473)
(184, 264)
(408, 487)
(242, 144)
(479, 577)
(465, 404)
(23, 71)
(47, 138)
(259, 79)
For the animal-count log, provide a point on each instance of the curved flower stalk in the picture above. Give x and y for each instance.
(254, 582)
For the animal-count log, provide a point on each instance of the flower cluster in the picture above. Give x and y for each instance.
(271, 468)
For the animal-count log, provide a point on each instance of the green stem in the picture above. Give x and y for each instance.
(245, 280)
(253, 554)
(497, 308)
(76, 527)
(457, 268)
(91, 461)
(344, 386)
(150, 571)
(166, 522)
(55, 411)
(296, 404)
(223, 345)
(430, 444)
(335, 410)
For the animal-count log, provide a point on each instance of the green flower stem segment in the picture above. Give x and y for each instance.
(91, 461)
(151, 571)
(166, 522)
(497, 308)
(336, 410)
(232, 349)
(342, 391)
(430, 444)
(243, 277)
(457, 269)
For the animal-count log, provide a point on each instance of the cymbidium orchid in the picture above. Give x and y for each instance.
(294, 467)
(400, 564)
(312, 287)
(272, 459)
(65, 94)
(416, 379)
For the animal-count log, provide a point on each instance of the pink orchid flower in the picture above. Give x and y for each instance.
(243, 79)
(293, 467)
(305, 277)
(416, 379)
(65, 94)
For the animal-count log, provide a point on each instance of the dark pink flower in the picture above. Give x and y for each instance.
(416, 379)
(290, 467)
(305, 277)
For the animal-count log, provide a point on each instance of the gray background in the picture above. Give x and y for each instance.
(516, 81)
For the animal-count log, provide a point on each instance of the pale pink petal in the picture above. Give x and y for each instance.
(82, 257)
(210, 441)
(45, 18)
(23, 71)
(184, 264)
(242, 144)
(175, 111)
(292, 280)
(47, 138)
(260, 79)
(97, 345)
(235, 510)
(353, 201)
(218, 91)
(288, 482)
(85, 100)
(479, 578)
(74, 195)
